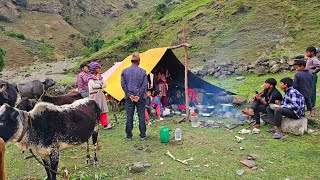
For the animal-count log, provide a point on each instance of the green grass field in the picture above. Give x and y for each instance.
(215, 151)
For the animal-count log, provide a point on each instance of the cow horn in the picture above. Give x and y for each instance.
(3, 88)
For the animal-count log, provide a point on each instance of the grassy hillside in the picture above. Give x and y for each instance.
(223, 30)
(60, 38)
(238, 30)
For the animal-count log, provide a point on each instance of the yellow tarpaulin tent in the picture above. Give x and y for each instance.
(163, 57)
(148, 60)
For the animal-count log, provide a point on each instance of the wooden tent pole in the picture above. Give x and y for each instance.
(2, 151)
(186, 75)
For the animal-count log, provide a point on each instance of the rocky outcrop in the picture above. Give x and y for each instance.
(96, 8)
(8, 11)
(46, 6)
(261, 67)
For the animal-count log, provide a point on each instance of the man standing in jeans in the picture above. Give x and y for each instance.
(134, 84)
(292, 107)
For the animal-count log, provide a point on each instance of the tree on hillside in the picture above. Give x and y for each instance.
(2, 54)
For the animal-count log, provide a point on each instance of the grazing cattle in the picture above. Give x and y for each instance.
(48, 129)
(26, 104)
(34, 89)
(8, 93)
(61, 100)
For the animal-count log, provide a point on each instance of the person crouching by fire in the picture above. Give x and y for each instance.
(270, 95)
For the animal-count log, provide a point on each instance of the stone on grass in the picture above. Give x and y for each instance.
(240, 172)
(223, 77)
(261, 70)
(240, 78)
(295, 126)
(275, 68)
(137, 168)
(249, 163)
(253, 157)
(145, 164)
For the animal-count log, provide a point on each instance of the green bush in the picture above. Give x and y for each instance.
(161, 10)
(2, 54)
(86, 52)
(45, 52)
(67, 19)
(16, 35)
(95, 43)
(2, 27)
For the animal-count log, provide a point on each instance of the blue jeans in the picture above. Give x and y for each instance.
(85, 94)
(308, 103)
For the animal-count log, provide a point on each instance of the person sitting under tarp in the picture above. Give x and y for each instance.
(157, 105)
(192, 100)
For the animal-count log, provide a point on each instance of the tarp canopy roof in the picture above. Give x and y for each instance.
(158, 57)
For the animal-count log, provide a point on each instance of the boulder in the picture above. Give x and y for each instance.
(285, 67)
(209, 66)
(240, 78)
(240, 71)
(261, 70)
(137, 168)
(217, 75)
(273, 62)
(223, 77)
(295, 126)
(290, 61)
(203, 72)
(212, 71)
(275, 68)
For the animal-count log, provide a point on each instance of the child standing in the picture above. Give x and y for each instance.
(303, 83)
(82, 80)
(313, 65)
(96, 84)
(148, 106)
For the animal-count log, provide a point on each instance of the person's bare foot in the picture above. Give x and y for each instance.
(248, 112)
(256, 126)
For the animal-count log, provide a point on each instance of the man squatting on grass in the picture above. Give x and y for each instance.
(270, 95)
(292, 107)
(313, 65)
(134, 84)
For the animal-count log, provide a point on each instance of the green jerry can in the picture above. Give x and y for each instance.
(164, 134)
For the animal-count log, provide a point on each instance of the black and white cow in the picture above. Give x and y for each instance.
(48, 129)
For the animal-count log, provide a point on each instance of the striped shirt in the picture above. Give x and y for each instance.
(294, 101)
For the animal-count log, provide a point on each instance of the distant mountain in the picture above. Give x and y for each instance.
(225, 30)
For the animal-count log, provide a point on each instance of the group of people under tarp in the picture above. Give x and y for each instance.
(298, 93)
(163, 93)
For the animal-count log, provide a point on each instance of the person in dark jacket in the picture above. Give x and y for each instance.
(270, 95)
(303, 82)
(134, 84)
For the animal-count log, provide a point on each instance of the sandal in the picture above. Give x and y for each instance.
(277, 135)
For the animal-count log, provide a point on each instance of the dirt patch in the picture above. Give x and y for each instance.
(58, 71)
